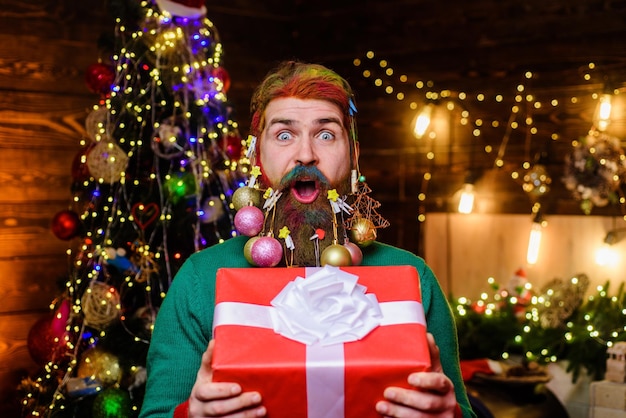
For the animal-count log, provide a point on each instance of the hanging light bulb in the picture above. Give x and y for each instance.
(466, 202)
(467, 193)
(604, 111)
(534, 241)
(422, 121)
(607, 255)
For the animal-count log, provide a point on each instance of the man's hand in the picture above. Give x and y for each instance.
(219, 399)
(432, 397)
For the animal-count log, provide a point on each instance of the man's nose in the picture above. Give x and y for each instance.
(306, 154)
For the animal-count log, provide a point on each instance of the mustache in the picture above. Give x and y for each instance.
(303, 173)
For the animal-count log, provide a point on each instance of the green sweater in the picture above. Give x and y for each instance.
(183, 327)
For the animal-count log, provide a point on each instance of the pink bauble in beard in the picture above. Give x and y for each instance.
(249, 220)
(266, 252)
(355, 252)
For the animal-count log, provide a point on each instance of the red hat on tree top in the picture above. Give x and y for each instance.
(185, 8)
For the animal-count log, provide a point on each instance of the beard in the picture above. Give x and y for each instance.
(304, 219)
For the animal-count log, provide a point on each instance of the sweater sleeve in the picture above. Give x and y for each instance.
(178, 341)
(183, 328)
(440, 322)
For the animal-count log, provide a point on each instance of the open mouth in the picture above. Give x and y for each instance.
(305, 191)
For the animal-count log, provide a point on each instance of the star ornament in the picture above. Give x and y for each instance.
(284, 232)
(333, 195)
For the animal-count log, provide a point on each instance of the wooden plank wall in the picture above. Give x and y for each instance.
(45, 47)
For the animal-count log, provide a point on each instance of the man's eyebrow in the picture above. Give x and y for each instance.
(281, 121)
(323, 121)
(289, 122)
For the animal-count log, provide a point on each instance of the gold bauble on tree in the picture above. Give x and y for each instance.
(336, 255)
(362, 232)
(245, 196)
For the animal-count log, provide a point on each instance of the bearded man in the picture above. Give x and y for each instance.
(303, 119)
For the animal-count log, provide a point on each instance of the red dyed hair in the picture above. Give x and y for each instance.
(302, 81)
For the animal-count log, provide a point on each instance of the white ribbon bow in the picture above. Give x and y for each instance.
(329, 307)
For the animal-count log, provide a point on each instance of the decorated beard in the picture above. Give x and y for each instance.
(304, 219)
(304, 208)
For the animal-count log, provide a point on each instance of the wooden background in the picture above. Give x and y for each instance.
(482, 45)
(45, 47)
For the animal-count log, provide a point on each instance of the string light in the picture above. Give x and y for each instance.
(525, 102)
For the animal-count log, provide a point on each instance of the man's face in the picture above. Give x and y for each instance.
(307, 133)
(305, 152)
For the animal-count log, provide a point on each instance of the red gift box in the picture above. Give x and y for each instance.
(299, 380)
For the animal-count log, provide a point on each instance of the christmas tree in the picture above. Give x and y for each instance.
(558, 322)
(151, 185)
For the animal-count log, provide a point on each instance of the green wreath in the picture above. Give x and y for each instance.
(594, 170)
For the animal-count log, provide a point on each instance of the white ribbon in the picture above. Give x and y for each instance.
(260, 316)
(325, 362)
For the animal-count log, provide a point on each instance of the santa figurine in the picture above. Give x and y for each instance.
(519, 288)
(193, 9)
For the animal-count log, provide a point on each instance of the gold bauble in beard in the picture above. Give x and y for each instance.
(362, 232)
(336, 255)
(247, 250)
(245, 196)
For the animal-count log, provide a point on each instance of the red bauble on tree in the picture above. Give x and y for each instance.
(80, 171)
(221, 74)
(65, 224)
(99, 78)
(233, 146)
(45, 340)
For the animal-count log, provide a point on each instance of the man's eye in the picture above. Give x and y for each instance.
(284, 136)
(326, 136)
